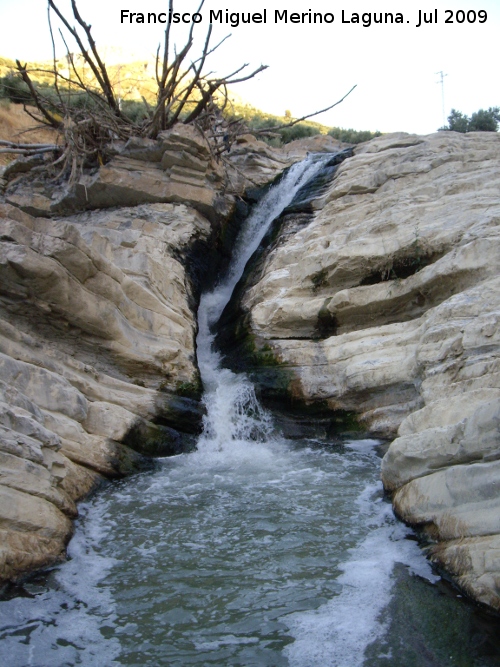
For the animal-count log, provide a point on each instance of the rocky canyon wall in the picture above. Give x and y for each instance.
(381, 299)
(98, 299)
(376, 306)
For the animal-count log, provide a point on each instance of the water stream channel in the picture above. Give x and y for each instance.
(252, 550)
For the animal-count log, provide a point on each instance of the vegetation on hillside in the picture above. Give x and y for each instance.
(351, 136)
(92, 104)
(484, 120)
(13, 88)
(256, 120)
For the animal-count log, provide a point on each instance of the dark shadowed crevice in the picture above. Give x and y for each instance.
(404, 266)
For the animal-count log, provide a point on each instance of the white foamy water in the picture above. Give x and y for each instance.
(338, 632)
(251, 551)
(63, 621)
(233, 413)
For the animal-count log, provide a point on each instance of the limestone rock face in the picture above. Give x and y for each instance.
(98, 300)
(253, 163)
(386, 302)
(178, 167)
(97, 335)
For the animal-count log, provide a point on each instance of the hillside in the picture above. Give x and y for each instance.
(17, 125)
(134, 84)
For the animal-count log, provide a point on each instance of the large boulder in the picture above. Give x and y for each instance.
(180, 166)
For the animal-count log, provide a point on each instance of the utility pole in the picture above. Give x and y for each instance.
(441, 81)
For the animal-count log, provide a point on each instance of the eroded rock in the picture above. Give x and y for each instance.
(97, 331)
(386, 302)
(178, 167)
(98, 299)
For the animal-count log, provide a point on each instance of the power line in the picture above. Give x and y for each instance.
(441, 81)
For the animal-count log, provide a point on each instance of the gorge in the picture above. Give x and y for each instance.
(373, 313)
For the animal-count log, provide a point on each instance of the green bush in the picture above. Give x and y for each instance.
(484, 120)
(13, 88)
(299, 131)
(134, 110)
(351, 136)
(257, 120)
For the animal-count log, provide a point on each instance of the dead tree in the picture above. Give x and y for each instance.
(185, 93)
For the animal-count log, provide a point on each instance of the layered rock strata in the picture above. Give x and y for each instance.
(385, 302)
(98, 322)
(178, 167)
(96, 340)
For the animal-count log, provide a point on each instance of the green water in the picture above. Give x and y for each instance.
(272, 554)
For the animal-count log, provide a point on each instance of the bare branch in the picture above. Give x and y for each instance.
(245, 78)
(54, 61)
(107, 87)
(26, 152)
(36, 97)
(98, 70)
(214, 48)
(166, 50)
(299, 120)
(14, 144)
(196, 77)
(35, 118)
(213, 86)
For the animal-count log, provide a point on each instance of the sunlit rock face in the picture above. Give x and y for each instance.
(384, 300)
(97, 331)
(98, 300)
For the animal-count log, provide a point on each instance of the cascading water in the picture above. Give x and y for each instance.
(250, 551)
(233, 413)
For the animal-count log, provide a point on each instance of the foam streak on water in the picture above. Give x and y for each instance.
(338, 632)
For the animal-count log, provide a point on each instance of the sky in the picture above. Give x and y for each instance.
(394, 66)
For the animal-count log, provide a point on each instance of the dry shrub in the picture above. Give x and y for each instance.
(16, 125)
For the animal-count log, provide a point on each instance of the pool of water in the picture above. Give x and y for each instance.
(278, 553)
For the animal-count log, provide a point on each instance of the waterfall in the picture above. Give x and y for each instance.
(233, 413)
(252, 550)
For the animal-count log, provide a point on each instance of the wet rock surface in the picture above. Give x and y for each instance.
(98, 297)
(385, 302)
